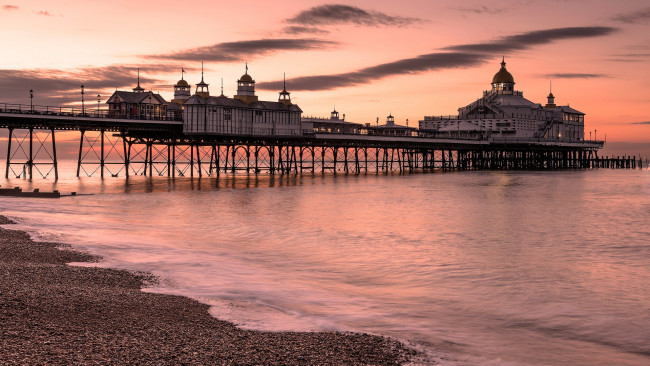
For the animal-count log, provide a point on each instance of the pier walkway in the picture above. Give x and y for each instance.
(116, 145)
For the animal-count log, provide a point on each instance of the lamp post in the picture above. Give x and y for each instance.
(589, 135)
(596, 135)
(31, 100)
(83, 107)
(99, 97)
(149, 105)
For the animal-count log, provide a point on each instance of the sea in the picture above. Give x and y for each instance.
(471, 268)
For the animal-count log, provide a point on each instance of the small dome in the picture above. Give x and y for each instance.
(503, 76)
(246, 78)
(550, 95)
(182, 83)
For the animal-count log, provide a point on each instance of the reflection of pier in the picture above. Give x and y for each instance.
(123, 147)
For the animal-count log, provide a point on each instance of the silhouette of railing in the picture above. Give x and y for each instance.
(86, 112)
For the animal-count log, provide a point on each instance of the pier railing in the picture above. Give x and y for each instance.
(86, 112)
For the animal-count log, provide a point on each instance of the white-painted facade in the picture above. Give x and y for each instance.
(504, 112)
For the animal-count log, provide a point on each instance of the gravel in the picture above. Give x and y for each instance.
(53, 313)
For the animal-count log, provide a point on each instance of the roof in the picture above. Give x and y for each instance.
(182, 83)
(236, 103)
(246, 78)
(135, 98)
(567, 109)
(503, 76)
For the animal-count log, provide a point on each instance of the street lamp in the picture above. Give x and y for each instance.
(99, 97)
(31, 100)
(83, 108)
(596, 135)
(149, 105)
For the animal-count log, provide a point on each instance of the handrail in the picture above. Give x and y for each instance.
(85, 112)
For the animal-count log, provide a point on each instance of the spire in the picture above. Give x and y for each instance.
(138, 89)
(503, 61)
(182, 73)
(246, 69)
(285, 97)
(222, 88)
(201, 71)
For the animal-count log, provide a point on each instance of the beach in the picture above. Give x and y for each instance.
(55, 313)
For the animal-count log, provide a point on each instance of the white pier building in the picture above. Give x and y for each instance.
(503, 112)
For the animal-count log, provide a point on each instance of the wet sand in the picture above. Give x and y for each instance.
(53, 313)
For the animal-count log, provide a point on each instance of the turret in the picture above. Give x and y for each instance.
(246, 88)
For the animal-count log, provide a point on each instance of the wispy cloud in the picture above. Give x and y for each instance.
(297, 29)
(527, 40)
(59, 87)
(346, 14)
(460, 56)
(576, 76)
(44, 12)
(479, 10)
(244, 50)
(638, 16)
(640, 123)
(9, 7)
(428, 62)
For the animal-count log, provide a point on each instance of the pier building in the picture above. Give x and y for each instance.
(391, 129)
(137, 104)
(503, 112)
(334, 124)
(243, 114)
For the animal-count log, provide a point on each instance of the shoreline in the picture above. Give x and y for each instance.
(53, 313)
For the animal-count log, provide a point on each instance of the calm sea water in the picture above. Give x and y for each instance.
(487, 268)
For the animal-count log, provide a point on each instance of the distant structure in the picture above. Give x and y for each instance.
(242, 114)
(334, 124)
(504, 112)
(391, 129)
(137, 104)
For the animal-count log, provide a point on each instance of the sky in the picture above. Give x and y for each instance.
(367, 59)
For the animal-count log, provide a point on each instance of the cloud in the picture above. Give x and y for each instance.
(297, 29)
(44, 12)
(641, 16)
(418, 64)
(244, 50)
(526, 40)
(462, 56)
(60, 87)
(9, 7)
(640, 123)
(479, 10)
(346, 14)
(576, 76)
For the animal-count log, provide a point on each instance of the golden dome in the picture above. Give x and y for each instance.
(246, 78)
(503, 76)
(182, 83)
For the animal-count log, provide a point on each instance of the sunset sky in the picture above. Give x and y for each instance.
(367, 58)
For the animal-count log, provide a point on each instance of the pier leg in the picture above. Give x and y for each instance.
(54, 161)
(191, 161)
(198, 161)
(30, 162)
(127, 157)
(101, 157)
(11, 135)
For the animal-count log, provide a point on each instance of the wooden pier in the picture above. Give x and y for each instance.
(158, 147)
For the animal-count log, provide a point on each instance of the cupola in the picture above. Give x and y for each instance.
(551, 100)
(334, 116)
(182, 90)
(503, 80)
(246, 88)
(202, 89)
(285, 96)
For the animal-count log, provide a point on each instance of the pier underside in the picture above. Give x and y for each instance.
(108, 152)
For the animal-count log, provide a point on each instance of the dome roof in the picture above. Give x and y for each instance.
(182, 83)
(503, 76)
(246, 78)
(550, 95)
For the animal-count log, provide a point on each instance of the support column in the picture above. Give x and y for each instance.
(11, 136)
(30, 162)
(56, 165)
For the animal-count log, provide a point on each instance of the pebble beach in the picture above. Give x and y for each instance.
(55, 313)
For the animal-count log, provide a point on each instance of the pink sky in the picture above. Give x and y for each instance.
(367, 58)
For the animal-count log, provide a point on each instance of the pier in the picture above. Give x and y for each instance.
(157, 146)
